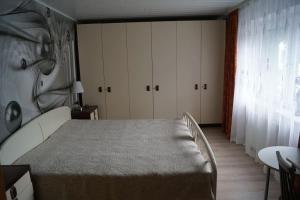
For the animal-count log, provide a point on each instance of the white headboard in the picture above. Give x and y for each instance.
(33, 134)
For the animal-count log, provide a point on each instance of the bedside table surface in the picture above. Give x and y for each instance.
(87, 109)
(87, 112)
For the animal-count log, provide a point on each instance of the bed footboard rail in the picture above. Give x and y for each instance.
(198, 134)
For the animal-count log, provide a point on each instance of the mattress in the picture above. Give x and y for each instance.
(119, 159)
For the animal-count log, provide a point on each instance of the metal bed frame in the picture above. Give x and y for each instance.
(197, 134)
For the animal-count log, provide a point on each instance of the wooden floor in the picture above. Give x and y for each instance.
(239, 176)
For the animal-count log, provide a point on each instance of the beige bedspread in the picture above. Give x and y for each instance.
(119, 160)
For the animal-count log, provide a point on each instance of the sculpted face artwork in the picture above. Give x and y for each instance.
(36, 63)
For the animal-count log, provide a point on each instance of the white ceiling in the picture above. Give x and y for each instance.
(116, 9)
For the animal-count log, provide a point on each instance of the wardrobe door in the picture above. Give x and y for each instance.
(164, 69)
(188, 67)
(91, 65)
(212, 65)
(140, 70)
(115, 70)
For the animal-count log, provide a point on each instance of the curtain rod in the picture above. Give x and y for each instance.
(240, 5)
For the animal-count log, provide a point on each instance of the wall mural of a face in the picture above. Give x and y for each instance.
(36, 62)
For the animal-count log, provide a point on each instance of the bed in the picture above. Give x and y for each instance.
(114, 159)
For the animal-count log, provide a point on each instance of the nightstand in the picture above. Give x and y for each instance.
(16, 180)
(87, 112)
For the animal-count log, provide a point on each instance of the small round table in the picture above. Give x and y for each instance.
(269, 158)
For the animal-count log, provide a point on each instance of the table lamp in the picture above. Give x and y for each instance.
(77, 89)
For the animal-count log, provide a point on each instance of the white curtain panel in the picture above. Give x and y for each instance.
(265, 110)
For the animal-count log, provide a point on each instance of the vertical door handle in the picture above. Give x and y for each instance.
(196, 86)
(205, 86)
(148, 88)
(108, 89)
(100, 89)
(157, 87)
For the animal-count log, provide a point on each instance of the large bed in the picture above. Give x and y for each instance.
(114, 159)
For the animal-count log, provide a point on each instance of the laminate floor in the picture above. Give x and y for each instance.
(239, 176)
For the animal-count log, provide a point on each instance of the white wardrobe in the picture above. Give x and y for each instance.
(153, 69)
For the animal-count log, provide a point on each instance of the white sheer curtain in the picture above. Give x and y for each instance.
(268, 75)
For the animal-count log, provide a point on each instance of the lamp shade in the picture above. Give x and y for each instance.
(77, 87)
